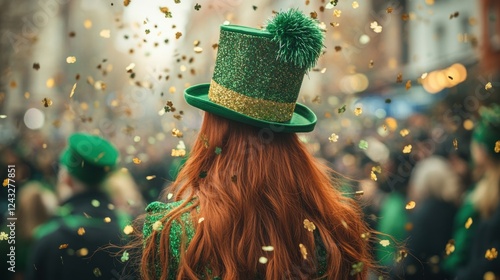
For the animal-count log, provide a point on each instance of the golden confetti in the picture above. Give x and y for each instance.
(488, 86)
(454, 15)
(370, 64)
(72, 91)
(389, 10)
(126, 2)
(198, 49)
(70, 59)
(337, 13)
(404, 132)
(309, 225)
(87, 24)
(385, 242)
(491, 254)
(3, 116)
(63, 246)
(128, 229)
(150, 177)
(407, 149)
(358, 111)
(401, 255)
(338, 48)
(410, 205)
(177, 133)
(157, 226)
(5, 182)
(136, 160)
(455, 144)
(178, 153)
(355, 5)
(314, 15)
(303, 251)
(359, 193)
(36, 66)
(375, 27)
(373, 176)
(178, 35)
(450, 247)
(468, 223)
(497, 146)
(100, 85)
(333, 138)
(82, 252)
(365, 236)
(263, 260)
(201, 220)
(408, 85)
(489, 276)
(268, 248)
(97, 272)
(335, 24)
(50, 83)
(399, 78)
(46, 102)
(13, 84)
(107, 220)
(81, 231)
(105, 33)
(169, 196)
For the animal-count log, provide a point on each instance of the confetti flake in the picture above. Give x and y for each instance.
(373, 176)
(97, 272)
(4, 236)
(107, 220)
(363, 145)
(355, 5)
(63, 246)
(358, 111)
(389, 10)
(72, 91)
(402, 254)
(404, 132)
(178, 35)
(399, 78)
(385, 242)
(455, 144)
(136, 160)
(263, 260)
(125, 256)
(371, 63)
(309, 225)
(169, 196)
(218, 150)
(150, 177)
(333, 138)
(5, 182)
(357, 268)
(50, 83)
(337, 13)
(70, 59)
(407, 149)
(128, 229)
(454, 15)
(126, 2)
(303, 251)
(87, 24)
(450, 247)
(497, 146)
(198, 49)
(201, 219)
(468, 223)
(177, 133)
(491, 254)
(268, 248)
(331, 4)
(376, 27)
(335, 24)
(410, 205)
(342, 109)
(338, 48)
(46, 102)
(81, 231)
(95, 203)
(36, 66)
(488, 86)
(408, 85)
(157, 226)
(105, 33)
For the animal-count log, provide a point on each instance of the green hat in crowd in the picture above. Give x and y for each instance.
(487, 131)
(258, 73)
(89, 158)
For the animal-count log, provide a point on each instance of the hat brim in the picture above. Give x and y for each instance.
(303, 119)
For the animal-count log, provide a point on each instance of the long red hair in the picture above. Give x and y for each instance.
(255, 191)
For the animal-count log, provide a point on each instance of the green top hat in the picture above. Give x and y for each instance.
(89, 158)
(258, 73)
(487, 131)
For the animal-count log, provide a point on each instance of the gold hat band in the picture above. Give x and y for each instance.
(256, 108)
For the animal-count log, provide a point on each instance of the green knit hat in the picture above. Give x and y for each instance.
(487, 131)
(89, 158)
(258, 73)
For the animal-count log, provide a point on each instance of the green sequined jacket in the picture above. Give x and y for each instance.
(157, 210)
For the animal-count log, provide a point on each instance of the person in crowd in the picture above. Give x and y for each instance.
(477, 227)
(70, 245)
(436, 191)
(251, 202)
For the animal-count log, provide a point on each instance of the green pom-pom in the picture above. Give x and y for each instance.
(299, 37)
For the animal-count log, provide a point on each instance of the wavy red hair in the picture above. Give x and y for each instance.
(257, 192)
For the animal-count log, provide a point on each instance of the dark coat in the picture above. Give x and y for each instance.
(70, 245)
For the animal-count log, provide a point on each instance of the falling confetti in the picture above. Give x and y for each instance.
(178, 35)
(491, 254)
(201, 219)
(126, 2)
(105, 33)
(375, 27)
(63, 246)
(408, 85)
(371, 63)
(333, 138)
(450, 247)
(407, 149)
(177, 133)
(4, 236)
(363, 145)
(338, 48)
(309, 225)
(81, 231)
(150, 177)
(358, 111)
(125, 256)
(136, 160)
(384, 242)
(107, 220)
(70, 59)
(401, 255)
(355, 5)
(169, 196)
(128, 229)
(454, 15)
(468, 223)
(331, 4)
(268, 248)
(497, 146)
(410, 205)
(36, 66)
(399, 78)
(357, 268)
(263, 260)
(488, 86)
(157, 226)
(95, 203)
(342, 109)
(72, 91)
(404, 132)
(97, 272)
(337, 13)
(389, 10)
(455, 144)
(46, 102)
(303, 251)
(5, 182)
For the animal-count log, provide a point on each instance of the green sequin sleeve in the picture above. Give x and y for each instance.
(153, 221)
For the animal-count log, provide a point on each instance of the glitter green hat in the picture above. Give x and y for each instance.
(258, 73)
(89, 158)
(487, 131)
